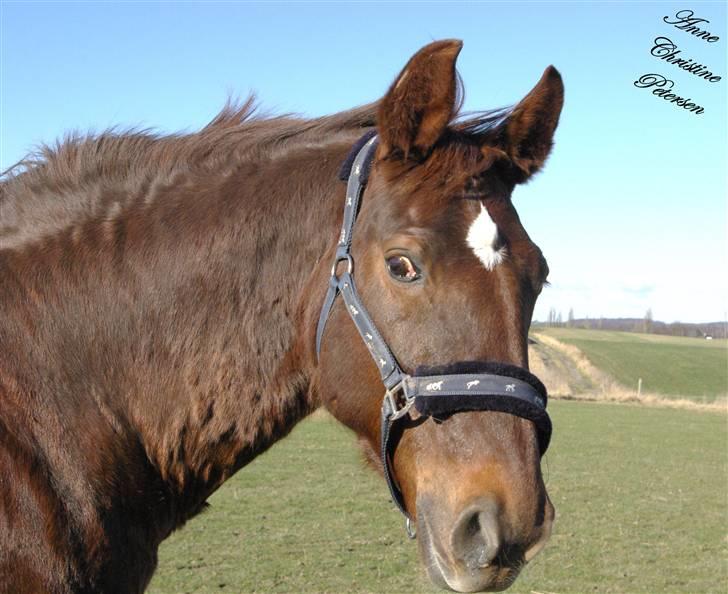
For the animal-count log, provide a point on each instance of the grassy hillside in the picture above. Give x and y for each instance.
(639, 492)
(669, 365)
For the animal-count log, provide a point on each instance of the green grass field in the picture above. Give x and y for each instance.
(640, 495)
(673, 366)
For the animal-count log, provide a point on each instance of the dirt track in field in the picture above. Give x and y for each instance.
(569, 375)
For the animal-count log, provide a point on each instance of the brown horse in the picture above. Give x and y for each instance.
(160, 298)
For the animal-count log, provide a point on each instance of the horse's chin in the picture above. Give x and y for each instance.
(458, 578)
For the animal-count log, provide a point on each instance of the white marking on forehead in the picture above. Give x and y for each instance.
(483, 238)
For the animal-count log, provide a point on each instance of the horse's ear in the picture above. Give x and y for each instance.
(421, 102)
(529, 131)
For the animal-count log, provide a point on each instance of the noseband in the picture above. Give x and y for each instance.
(433, 391)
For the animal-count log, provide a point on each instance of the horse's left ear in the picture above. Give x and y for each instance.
(529, 131)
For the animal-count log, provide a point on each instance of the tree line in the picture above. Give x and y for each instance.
(645, 324)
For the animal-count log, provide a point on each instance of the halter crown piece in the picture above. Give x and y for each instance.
(433, 391)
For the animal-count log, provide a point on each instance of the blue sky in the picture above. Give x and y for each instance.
(630, 210)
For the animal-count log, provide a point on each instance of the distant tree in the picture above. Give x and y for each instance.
(559, 321)
(677, 328)
(552, 317)
(570, 322)
(647, 322)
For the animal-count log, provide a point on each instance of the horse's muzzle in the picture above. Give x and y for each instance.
(472, 554)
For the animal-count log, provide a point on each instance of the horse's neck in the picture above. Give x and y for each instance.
(178, 326)
(236, 370)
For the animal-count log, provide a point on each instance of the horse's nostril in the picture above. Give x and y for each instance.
(475, 538)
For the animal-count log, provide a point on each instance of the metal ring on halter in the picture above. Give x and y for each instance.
(349, 264)
(411, 528)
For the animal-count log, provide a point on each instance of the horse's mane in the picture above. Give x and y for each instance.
(83, 176)
(61, 183)
(235, 134)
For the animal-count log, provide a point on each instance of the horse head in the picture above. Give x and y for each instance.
(449, 275)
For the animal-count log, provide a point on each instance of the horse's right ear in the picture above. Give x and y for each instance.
(421, 102)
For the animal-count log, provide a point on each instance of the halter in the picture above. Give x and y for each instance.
(433, 391)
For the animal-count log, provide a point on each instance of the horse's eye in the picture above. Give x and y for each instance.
(402, 269)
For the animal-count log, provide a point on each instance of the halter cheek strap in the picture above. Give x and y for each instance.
(466, 386)
(343, 283)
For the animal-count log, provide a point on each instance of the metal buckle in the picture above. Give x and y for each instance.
(390, 396)
(349, 264)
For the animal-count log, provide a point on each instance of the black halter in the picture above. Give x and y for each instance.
(433, 391)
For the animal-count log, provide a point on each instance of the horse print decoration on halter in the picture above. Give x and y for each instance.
(161, 326)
